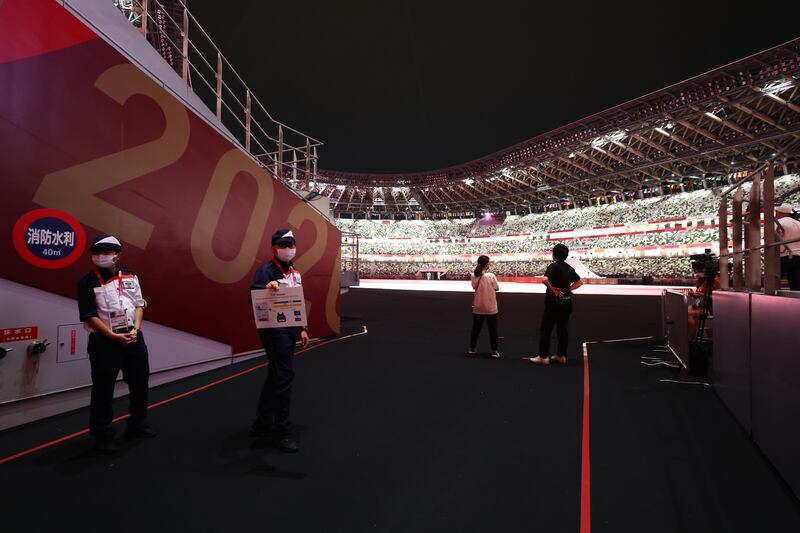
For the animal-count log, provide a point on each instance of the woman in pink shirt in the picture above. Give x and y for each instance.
(484, 305)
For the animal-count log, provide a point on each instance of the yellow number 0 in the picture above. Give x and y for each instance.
(216, 269)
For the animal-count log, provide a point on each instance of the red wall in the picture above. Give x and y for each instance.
(84, 131)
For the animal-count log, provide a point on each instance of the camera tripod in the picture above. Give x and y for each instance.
(701, 324)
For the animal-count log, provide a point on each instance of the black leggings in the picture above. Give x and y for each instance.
(555, 314)
(477, 325)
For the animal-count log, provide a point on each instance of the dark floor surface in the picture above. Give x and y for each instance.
(400, 431)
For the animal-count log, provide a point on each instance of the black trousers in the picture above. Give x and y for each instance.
(272, 413)
(107, 358)
(555, 314)
(790, 269)
(477, 325)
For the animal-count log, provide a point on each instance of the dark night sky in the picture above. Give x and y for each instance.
(418, 85)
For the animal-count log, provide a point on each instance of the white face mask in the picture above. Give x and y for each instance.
(286, 254)
(104, 260)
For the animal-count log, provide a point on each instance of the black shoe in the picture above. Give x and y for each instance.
(105, 444)
(288, 445)
(141, 432)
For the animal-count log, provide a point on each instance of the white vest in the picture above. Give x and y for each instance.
(117, 298)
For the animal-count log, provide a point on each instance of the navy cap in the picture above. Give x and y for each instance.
(106, 243)
(283, 236)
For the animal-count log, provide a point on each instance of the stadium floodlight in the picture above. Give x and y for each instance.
(571, 155)
(614, 136)
(469, 181)
(341, 187)
(669, 125)
(597, 143)
(776, 87)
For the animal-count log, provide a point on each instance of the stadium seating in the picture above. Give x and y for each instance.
(425, 237)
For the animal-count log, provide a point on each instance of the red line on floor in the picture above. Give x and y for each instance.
(586, 493)
(169, 400)
(586, 508)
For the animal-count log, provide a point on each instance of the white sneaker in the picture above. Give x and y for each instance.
(495, 355)
(471, 351)
(539, 360)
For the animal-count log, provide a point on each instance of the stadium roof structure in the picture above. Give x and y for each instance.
(714, 124)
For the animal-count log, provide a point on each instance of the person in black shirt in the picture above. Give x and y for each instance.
(561, 280)
(272, 413)
(111, 307)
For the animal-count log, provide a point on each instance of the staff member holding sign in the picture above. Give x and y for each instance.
(111, 307)
(272, 414)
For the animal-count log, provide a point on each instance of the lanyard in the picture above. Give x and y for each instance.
(286, 272)
(118, 276)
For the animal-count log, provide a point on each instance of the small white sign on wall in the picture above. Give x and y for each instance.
(72, 343)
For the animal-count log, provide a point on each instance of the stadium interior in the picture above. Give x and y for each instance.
(149, 133)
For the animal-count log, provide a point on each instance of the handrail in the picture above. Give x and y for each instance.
(761, 247)
(228, 96)
(733, 187)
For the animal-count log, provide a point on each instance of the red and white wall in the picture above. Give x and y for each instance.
(93, 141)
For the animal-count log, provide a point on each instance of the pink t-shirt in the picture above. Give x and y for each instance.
(485, 301)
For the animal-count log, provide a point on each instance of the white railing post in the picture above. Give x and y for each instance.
(753, 258)
(724, 272)
(308, 161)
(771, 259)
(145, 8)
(738, 270)
(247, 121)
(185, 70)
(219, 85)
(280, 151)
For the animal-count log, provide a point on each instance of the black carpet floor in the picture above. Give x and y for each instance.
(400, 431)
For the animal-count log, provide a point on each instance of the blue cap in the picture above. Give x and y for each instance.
(283, 236)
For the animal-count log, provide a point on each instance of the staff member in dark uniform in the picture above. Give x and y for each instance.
(111, 307)
(272, 414)
(561, 280)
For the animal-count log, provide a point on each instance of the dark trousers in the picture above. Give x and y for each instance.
(272, 413)
(107, 358)
(555, 314)
(477, 325)
(790, 269)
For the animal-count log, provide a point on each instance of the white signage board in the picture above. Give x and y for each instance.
(283, 308)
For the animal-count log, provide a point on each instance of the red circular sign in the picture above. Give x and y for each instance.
(49, 238)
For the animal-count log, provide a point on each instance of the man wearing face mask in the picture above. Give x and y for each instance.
(272, 415)
(111, 307)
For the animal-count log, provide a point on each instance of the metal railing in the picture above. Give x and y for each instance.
(756, 259)
(173, 31)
